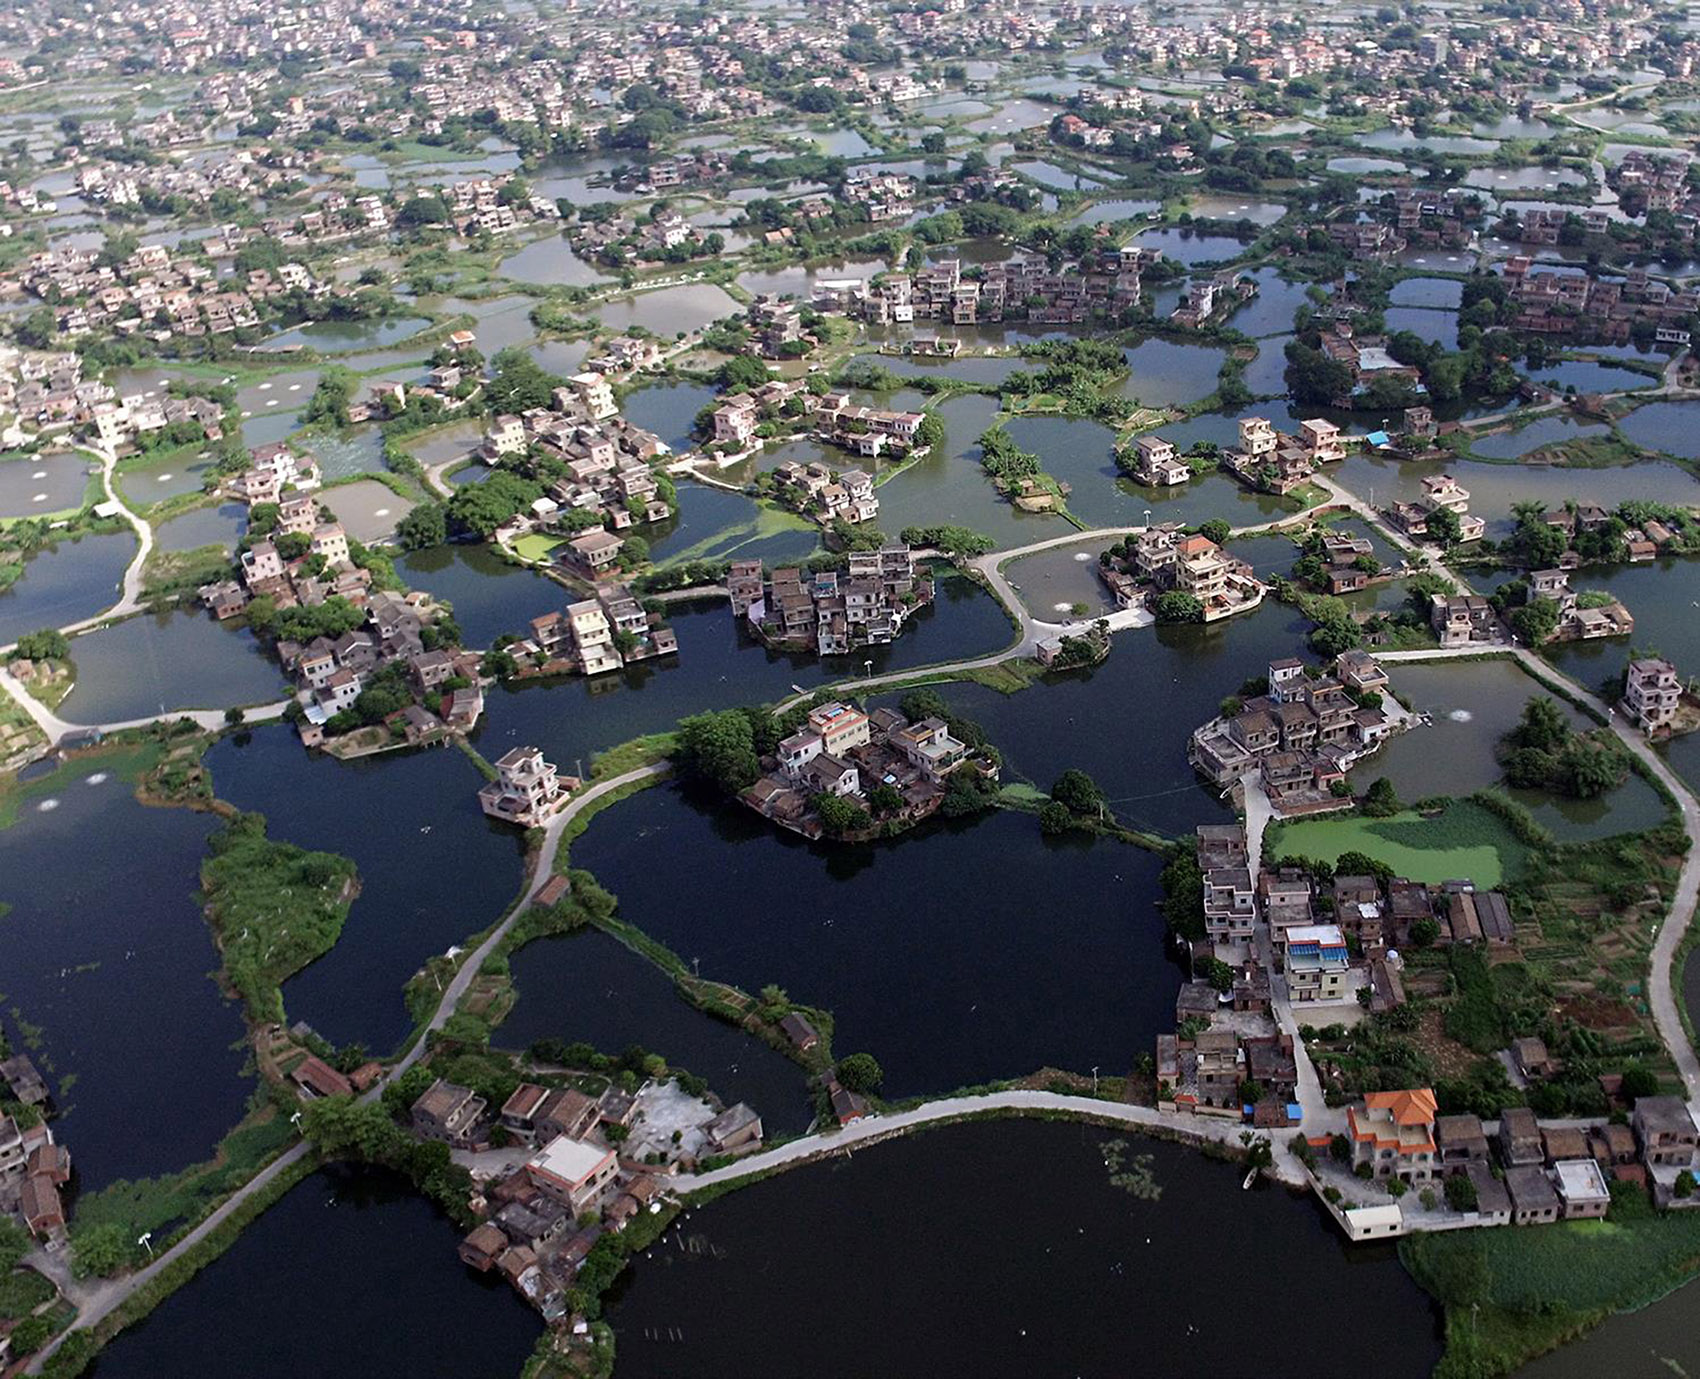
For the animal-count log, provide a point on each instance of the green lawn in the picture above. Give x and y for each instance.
(1466, 842)
(535, 546)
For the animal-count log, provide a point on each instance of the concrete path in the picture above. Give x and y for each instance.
(875, 1128)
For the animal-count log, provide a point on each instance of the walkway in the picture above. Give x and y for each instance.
(875, 1128)
(212, 720)
(97, 1299)
(542, 869)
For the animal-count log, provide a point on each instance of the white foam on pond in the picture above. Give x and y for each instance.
(381, 512)
(39, 474)
(162, 478)
(1083, 556)
(47, 806)
(39, 498)
(98, 778)
(1062, 607)
(271, 402)
(1460, 715)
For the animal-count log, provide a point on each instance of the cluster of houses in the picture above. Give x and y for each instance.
(331, 672)
(607, 458)
(1104, 283)
(1600, 616)
(592, 1168)
(1271, 461)
(828, 495)
(154, 293)
(46, 389)
(868, 432)
(1523, 1173)
(1302, 735)
(594, 636)
(845, 752)
(33, 1166)
(1214, 297)
(1165, 559)
(1647, 541)
(1441, 493)
(831, 611)
(1555, 302)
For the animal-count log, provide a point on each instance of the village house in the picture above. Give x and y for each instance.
(573, 1172)
(835, 612)
(1317, 960)
(1651, 693)
(527, 791)
(448, 1113)
(1393, 1132)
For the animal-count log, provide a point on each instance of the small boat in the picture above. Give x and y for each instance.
(1250, 1178)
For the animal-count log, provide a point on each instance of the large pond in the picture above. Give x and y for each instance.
(108, 955)
(370, 1262)
(367, 509)
(550, 262)
(669, 311)
(433, 869)
(1662, 595)
(146, 481)
(946, 983)
(1163, 373)
(714, 523)
(157, 663)
(1191, 246)
(720, 665)
(344, 337)
(669, 410)
(592, 987)
(40, 484)
(1474, 704)
(65, 583)
(1006, 1270)
(1668, 426)
(216, 524)
(1170, 680)
(489, 596)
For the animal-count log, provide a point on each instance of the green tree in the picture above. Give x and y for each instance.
(14, 1244)
(1639, 1082)
(1535, 621)
(331, 397)
(1443, 527)
(1424, 933)
(1077, 792)
(1381, 801)
(1217, 530)
(1178, 606)
(1684, 1185)
(719, 747)
(45, 645)
(839, 816)
(885, 799)
(861, 1072)
(101, 1250)
(744, 371)
(31, 1334)
(426, 525)
(1054, 818)
(1460, 1193)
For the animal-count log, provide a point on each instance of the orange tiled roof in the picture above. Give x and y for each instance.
(1411, 1107)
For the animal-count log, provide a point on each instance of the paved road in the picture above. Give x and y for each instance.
(874, 1128)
